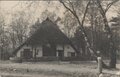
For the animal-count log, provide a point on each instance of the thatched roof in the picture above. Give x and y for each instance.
(48, 32)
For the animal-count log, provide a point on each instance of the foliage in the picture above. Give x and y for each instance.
(18, 29)
(4, 39)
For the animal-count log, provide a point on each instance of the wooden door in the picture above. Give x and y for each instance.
(60, 54)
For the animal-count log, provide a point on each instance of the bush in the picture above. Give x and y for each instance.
(16, 59)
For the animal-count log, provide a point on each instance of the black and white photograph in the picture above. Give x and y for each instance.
(59, 38)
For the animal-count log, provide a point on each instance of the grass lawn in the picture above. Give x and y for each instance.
(53, 69)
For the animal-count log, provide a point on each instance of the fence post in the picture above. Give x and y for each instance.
(99, 65)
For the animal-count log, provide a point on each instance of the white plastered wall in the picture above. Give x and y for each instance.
(40, 54)
(39, 48)
(24, 47)
(67, 49)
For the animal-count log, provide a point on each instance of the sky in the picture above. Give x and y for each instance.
(10, 7)
(7, 5)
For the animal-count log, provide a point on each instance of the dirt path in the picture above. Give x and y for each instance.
(7, 74)
(45, 69)
(51, 69)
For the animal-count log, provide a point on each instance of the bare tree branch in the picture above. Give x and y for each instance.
(73, 12)
(110, 4)
(81, 27)
(72, 6)
(86, 9)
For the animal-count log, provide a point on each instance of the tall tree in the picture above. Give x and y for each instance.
(4, 39)
(19, 28)
(70, 24)
(107, 28)
(71, 9)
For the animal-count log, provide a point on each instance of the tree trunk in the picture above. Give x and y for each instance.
(112, 57)
(112, 45)
(110, 37)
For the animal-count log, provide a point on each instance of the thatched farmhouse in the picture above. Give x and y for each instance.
(48, 42)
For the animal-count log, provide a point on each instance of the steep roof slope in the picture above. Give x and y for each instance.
(48, 32)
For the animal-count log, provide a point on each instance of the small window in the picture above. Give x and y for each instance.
(68, 47)
(37, 51)
(71, 54)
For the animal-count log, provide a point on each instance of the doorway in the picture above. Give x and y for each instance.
(27, 54)
(60, 54)
(49, 50)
